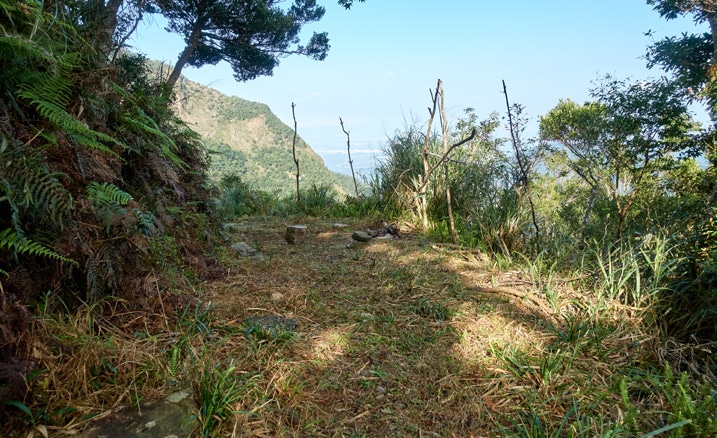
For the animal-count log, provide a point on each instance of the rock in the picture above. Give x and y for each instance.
(295, 234)
(360, 236)
(340, 226)
(271, 322)
(365, 316)
(276, 296)
(230, 226)
(245, 250)
(176, 416)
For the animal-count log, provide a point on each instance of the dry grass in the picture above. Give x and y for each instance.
(395, 338)
(395, 341)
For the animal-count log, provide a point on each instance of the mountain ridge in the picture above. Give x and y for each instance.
(247, 139)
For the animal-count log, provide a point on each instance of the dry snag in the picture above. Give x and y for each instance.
(348, 149)
(444, 124)
(293, 151)
(522, 165)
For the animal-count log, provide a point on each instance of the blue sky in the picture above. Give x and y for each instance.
(386, 54)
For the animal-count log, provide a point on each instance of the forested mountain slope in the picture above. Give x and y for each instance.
(247, 139)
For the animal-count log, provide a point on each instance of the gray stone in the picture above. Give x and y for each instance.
(174, 416)
(361, 236)
(245, 250)
(295, 234)
(271, 322)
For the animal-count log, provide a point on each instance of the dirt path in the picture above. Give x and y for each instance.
(395, 338)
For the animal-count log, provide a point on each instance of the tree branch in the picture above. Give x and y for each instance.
(293, 151)
(445, 156)
(348, 149)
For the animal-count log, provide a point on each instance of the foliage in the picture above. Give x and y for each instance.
(217, 389)
(10, 240)
(78, 135)
(250, 35)
(237, 198)
(618, 142)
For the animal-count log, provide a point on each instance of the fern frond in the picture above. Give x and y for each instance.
(30, 188)
(108, 200)
(75, 129)
(143, 124)
(145, 222)
(20, 245)
(107, 193)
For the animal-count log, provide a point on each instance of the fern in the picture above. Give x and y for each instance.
(108, 200)
(106, 193)
(145, 222)
(20, 245)
(29, 187)
(144, 124)
(76, 130)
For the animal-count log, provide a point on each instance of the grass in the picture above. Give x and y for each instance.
(391, 341)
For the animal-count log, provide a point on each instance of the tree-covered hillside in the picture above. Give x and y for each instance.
(247, 139)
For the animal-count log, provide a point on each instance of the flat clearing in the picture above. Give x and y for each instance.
(408, 338)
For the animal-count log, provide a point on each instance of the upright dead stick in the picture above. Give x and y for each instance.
(293, 151)
(519, 155)
(444, 124)
(348, 149)
(422, 199)
(445, 155)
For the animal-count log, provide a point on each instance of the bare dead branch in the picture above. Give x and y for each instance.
(348, 149)
(293, 152)
(445, 155)
(444, 125)
(519, 155)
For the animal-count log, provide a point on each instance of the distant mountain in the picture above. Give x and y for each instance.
(246, 138)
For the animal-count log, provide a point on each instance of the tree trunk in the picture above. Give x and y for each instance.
(192, 44)
(103, 24)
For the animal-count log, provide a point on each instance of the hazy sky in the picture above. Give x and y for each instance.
(386, 54)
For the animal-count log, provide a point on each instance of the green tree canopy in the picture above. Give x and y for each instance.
(251, 35)
(630, 132)
(691, 58)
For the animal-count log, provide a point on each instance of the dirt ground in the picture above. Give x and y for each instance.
(395, 337)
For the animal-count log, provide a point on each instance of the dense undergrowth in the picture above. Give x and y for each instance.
(109, 238)
(102, 190)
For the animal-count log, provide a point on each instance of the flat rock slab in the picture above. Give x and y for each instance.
(245, 250)
(361, 236)
(271, 322)
(174, 416)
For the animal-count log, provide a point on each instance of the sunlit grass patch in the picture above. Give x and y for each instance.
(395, 340)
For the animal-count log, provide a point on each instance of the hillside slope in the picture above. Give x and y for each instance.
(246, 138)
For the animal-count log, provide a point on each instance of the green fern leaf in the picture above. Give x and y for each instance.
(146, 125)
(106, 193)
(11, 240)
(29, 187)
(108, 200)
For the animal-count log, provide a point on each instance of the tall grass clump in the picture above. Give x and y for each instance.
(237, 198)
(395, 177)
